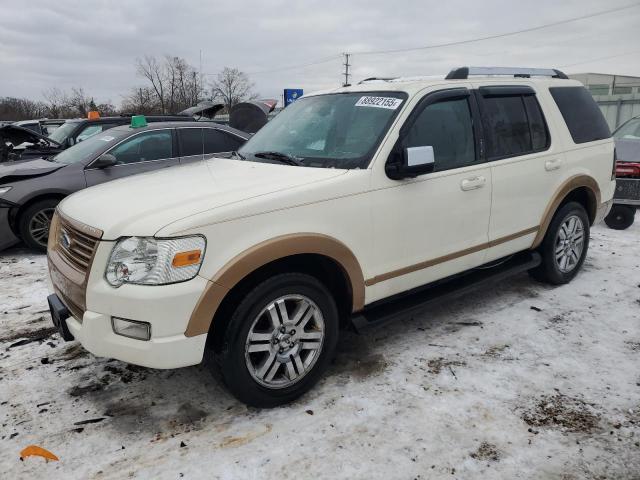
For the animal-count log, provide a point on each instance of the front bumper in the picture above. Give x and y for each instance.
(7, 238)
(96, 335)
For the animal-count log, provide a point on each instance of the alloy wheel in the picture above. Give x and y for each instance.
(285, 341)
(569, 244)
(39, 225)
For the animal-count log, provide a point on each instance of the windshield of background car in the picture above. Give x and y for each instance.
(63, 131)
(630, 130)
(89, 148)
(340, 130)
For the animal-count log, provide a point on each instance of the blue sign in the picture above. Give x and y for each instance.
(291, 95)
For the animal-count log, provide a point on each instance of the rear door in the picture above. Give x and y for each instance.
(190, 144)
(525, 162)
(146, 151)
(218, 141)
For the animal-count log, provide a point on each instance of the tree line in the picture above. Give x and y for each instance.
(169, 85)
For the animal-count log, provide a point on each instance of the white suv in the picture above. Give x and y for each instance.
(351, 207)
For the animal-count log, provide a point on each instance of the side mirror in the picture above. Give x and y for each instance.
(105, 160)
(414, 161)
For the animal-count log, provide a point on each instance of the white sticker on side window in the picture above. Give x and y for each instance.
(379, 102)
(106, 139)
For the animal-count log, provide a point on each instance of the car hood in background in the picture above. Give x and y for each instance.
(206, 108)
(21, 169)
(143, 204)
(17, 135)
(628, 149)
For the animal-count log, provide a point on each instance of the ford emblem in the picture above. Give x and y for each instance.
(65, 239)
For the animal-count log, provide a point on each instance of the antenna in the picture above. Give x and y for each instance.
(346, 69)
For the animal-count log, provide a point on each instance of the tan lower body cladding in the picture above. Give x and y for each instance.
(310, 243)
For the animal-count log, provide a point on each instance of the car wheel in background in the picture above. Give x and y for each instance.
(564, 246)
(280, 340)
(620, 217)
(34, 224)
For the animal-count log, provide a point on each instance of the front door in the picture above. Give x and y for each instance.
(436, 224)
(144, 152)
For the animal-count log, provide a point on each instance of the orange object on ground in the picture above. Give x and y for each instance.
(34, 450)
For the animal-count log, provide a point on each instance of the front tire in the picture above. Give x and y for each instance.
(280, 340)
(620, 217)
(34, 223)
(564, 246)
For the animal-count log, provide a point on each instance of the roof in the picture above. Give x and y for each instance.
(183, 124)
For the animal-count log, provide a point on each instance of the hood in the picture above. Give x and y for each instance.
(21, 169)
(206, 109)
(628, 150)
(143, 204)
(17, 135)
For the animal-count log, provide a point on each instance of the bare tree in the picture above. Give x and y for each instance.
(149, 68)
(57, 101)
(232, 86)
(141, 100)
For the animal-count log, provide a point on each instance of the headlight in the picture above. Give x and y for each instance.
(4, 190)
(155, 261)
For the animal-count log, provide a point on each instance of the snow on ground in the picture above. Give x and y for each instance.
(518, 380)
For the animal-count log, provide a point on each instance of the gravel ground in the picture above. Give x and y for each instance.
(518, 380)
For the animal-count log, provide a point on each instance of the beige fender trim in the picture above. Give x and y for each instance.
(567, 187)
(263, 253)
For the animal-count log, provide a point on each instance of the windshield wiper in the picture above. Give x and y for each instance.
(239, 155)
(280, 157)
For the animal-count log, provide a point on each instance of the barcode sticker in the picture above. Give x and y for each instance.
(379, 102)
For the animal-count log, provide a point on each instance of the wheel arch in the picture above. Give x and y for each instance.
(319, 255)
(579, 188)
(17, 211)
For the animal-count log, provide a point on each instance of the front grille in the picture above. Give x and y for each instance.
(75, 247)
(72, 246)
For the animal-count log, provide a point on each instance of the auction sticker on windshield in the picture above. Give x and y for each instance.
(379, 102)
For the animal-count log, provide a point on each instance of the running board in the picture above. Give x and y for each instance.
(408, 304)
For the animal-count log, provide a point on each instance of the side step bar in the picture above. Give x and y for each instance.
(405, 305)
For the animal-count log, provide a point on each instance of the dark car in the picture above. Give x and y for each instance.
(31, 189)
(18, 142)
(67, 134)
(43, 126)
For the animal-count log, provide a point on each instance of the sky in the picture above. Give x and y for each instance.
(94, 43)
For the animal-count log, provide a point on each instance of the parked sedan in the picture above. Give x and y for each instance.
(31, 189)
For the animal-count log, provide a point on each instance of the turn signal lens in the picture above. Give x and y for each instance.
(184, 259)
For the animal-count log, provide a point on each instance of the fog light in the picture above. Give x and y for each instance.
(131, 328)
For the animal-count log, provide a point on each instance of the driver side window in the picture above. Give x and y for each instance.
(447, 127)
(147, 146)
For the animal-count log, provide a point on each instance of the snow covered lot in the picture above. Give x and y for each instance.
(518, 380)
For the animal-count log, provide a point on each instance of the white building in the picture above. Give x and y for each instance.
(617, 95)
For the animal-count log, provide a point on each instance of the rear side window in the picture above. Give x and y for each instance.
(216, 141)
(190, 141)
(514, 125)
(581, 114)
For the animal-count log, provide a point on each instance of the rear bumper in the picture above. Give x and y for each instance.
(96, 335)
(7, 238)
(627, 192)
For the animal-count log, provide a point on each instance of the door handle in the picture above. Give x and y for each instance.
(553, 164)
(473, 183)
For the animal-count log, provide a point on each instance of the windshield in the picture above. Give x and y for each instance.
(630, 130)
(63, 131)
(340, 130)
(88, 149)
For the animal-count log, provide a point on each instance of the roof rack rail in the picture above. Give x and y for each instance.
(371, 79)
(463, 73)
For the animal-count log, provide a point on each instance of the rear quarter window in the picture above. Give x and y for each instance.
(581, 114)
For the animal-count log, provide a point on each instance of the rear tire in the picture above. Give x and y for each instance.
(564, 246)
(279, 341)
(34, 223)
(620, 217)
